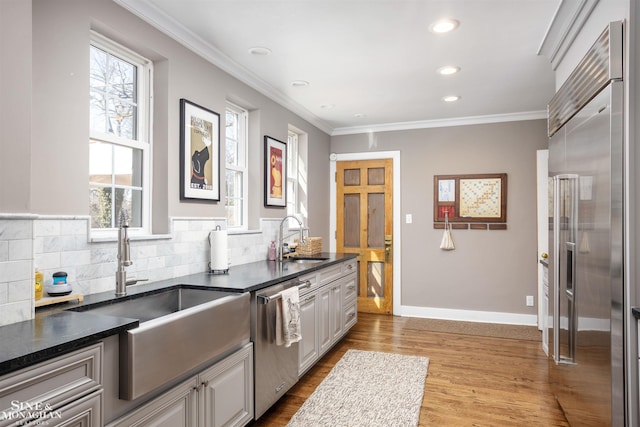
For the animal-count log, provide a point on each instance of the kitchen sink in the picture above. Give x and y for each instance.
(180, 329)
(307, 260)
(146, 307)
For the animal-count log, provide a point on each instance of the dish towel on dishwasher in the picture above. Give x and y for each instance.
(288, 329)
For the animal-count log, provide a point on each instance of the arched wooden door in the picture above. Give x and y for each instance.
(364, 212)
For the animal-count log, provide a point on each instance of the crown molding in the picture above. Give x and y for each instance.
(169, 26)
(425, 124)
(568, 20)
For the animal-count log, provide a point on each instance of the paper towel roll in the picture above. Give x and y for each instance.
(219, 254)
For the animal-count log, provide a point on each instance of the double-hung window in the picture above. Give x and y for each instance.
(292, 176)
(119, 143)
(236, 176)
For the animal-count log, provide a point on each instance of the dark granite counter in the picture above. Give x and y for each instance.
(56, 331)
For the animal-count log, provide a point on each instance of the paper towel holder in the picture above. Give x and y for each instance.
(215, 263)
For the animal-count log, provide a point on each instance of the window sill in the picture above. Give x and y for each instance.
(132, 237)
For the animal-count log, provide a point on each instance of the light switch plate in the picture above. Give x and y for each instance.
(409, 218)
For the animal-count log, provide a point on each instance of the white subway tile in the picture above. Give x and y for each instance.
(12, 229)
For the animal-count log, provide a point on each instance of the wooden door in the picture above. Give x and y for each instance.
(364, 222)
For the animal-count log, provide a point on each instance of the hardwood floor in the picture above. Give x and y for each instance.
(471, 380)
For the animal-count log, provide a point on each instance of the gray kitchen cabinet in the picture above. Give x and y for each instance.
(221, 395)
(309, 345)
(175, 408)
(327, 311)
(226, 397)
(350, 304)
(64, 391)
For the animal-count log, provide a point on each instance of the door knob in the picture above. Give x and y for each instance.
(387, 247)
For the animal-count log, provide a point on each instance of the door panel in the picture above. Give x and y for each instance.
(364, 191)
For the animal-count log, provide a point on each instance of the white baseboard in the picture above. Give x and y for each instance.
(468, 315)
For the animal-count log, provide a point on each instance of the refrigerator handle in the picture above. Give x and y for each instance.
(570, 292)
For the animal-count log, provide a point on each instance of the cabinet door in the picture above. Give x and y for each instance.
(226, 395)
(324, 318)
(175, 408)
(84, 412)
(309, 344)
(336, 308)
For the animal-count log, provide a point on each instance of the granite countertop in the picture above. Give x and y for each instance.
(56, 331)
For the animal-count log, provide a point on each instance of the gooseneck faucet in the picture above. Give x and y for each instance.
(124, 256)
(281, 236)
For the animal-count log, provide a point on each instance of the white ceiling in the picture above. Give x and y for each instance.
(374, 61)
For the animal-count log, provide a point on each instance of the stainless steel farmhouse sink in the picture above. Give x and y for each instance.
(180, 329)
(146, 307)
(307, 260)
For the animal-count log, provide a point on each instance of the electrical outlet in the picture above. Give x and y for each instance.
(409, 218)
(529, 300)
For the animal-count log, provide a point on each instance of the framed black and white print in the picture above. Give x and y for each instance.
(199, 152)
(275, 168)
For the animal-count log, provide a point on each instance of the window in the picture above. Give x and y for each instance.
(119, 144)
(297, 176)
(236, 179)
(292, 175)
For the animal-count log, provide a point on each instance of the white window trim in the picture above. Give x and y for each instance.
(293, 155)
(144, 129)
(243, 136)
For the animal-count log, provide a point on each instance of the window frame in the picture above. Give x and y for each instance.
(143, 141)
(242, 142)
(293, 171)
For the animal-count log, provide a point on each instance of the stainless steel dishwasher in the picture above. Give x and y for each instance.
(276, 367)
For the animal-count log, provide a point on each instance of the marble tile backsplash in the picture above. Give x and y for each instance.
(53, 244)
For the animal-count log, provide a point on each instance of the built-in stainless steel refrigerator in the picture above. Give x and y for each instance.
(586, 234)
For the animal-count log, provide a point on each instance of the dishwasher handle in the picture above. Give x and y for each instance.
(266, 299)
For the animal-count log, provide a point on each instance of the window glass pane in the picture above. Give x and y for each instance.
(232, 125)
(128, 166)
(113, 94)
(100, 162)
(375, 279)
(98, 112)
(100, 206)
(122, 118)
(231, 152)
(130, 200)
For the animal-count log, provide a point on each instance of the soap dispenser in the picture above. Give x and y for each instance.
(272, 251)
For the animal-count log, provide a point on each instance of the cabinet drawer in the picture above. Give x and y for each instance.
(350, 266)
(54, 383)
(350, 288)
(329, 274)
(350, 315)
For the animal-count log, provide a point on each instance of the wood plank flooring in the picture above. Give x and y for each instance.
(471, 380)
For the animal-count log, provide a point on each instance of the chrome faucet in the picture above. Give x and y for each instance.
(281, 237)
(124, 256)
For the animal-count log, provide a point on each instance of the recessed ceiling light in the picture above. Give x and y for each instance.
(444, 26)
(299, 83)
(359, 115)
(447, 70)
(259, 51)
(327, 106)
(451, 98)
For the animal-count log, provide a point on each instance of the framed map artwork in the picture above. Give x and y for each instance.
(471, 198)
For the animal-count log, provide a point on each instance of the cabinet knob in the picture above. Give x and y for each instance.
(544, 255)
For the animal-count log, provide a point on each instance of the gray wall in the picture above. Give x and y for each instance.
(49, 140)
(489, 270)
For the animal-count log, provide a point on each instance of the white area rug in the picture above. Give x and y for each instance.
(367, 389)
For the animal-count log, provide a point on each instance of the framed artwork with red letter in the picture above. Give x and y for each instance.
(275, 167)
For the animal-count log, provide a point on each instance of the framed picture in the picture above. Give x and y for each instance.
(275, 168)
(470, 198)
(199, 152)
